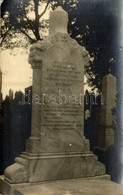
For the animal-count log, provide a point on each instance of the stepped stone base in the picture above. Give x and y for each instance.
(35, 168)
(74, 187)
(36, 188)
(31, 169)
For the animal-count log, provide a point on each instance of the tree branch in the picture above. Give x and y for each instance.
(28, 20)
(4, 36)
(36, 26)
(30, 38)
(44, 9)
(36, 9)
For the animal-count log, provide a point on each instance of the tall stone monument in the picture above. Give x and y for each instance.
(105, 133)
(57, 148)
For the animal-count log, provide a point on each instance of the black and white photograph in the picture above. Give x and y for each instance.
(61, 97)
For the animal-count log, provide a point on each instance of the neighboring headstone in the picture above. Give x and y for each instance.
(106, 132)
(87, 114)
(57, 148)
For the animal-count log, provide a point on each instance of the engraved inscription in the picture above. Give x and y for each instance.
(63, 79)
(64, 73)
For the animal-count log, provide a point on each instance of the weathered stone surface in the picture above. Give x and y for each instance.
(61, 166)
(58, 21)
(62, 69)
(12, 189)
(18, 172)
(74, 187)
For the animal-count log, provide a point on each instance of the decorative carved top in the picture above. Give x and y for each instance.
(58, 38)
(38, 50)
(58, 21)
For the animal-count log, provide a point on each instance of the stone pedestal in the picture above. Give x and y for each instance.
(35, 168)
(57, 148)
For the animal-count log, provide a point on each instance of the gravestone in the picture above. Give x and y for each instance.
(105, 137)
(57, 148)
(87, 114)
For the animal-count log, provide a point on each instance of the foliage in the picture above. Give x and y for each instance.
(22, 17)
(95, 25)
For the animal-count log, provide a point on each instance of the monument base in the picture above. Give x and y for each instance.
(31, 169)
(75, 186)
(48, 167)
(21, 188)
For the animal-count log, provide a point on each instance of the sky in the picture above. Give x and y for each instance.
(16, 71)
